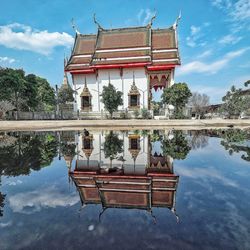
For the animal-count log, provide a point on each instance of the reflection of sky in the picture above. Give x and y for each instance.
(156, 148)
(213, 200)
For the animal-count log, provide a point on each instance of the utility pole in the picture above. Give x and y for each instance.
(57, 103)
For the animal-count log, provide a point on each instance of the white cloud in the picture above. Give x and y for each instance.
(196, 35)
(222, 4)
(22, 37)
(7, 224)
(209, 173)
(6, 60)
(34, 201)
(195, 30)
(230, 39)
(237, 10)
(210, 68)
(144, 16)
(205, 54)
(241, 10)
(13, 183)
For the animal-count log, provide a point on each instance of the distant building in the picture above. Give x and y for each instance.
(135, 60)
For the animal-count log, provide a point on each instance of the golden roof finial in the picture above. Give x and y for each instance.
(109, 78)
(151, 20)
(74, 26)
(98, 25)
(175, 25)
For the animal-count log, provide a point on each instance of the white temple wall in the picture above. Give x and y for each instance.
(98, 153)
(122, 83)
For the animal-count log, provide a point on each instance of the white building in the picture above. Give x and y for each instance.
(135, 60)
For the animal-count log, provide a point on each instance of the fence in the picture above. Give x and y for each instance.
(69, 115)
(41, 115)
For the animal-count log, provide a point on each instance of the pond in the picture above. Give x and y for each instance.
(149, 189)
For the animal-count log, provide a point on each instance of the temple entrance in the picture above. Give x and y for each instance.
(158, 81)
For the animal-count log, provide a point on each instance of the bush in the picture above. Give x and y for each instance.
(124, 115)
(136, 113)
(145, 113)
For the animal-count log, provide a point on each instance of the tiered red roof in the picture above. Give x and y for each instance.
(124, 47)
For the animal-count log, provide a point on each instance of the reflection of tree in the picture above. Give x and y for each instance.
(28, 151)
(156, 136)
(177, 146)
(232, 140)
(198, 140)
(112, 146)
(68, 150)
(2, 197)
(67, 144)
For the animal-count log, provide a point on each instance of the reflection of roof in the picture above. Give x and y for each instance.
(136, 45)
(126, 191)
(83, 165)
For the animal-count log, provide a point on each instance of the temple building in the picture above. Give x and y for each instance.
(138, 176)
(136, 60)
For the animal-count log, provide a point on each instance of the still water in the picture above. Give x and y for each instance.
(158, 189)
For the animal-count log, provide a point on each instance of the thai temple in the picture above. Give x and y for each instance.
(122, 170)
(136, 60)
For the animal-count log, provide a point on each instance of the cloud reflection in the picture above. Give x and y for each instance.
(35, 201)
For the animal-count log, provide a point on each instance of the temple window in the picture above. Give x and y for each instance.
(134, 145)
(87, 145)
(134, 97)
(134, 142)
(86, 99)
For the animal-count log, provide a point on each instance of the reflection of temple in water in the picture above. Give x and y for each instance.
(139, 177)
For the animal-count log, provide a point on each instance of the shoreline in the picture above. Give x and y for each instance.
(43, 125)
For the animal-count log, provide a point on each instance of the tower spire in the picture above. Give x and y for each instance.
(176, 23)
(109, 78)
(98, 24)
(85, 82)
(74, 26)
(151, 20)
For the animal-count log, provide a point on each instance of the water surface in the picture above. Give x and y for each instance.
(125, 190)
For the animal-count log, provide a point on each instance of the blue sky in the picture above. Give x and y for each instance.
(214, 36)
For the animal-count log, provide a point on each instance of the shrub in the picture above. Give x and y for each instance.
(124, 115)
(136, 113)
(145, 113)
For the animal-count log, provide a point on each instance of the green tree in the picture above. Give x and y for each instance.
(247, 83)
(198, 102)
(112, 146)
(65, 94)
(176, 147)
(111, 98)
(177, 95)
(13, 82)
(234, 102)
(28, 152)
(45, 95)
(233, 141)
(26, 93)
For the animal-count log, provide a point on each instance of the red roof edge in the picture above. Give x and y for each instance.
(80, 71)
(121, 65)
(161, 67)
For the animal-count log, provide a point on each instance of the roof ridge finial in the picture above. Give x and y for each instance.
(98, 24)
(64, 60)
(151, 20)
(85, 82)
(175, 25)
(74, 26)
